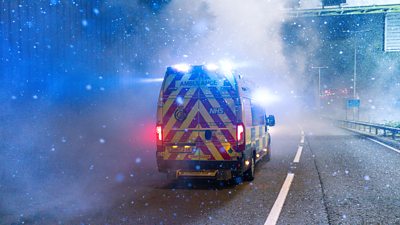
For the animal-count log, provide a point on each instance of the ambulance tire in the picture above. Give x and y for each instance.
(171, 178)
(249, 174)
(268, 156)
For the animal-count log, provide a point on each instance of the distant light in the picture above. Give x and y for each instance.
(211, 67)
(264, 97)
(54, 2)
(182, 67)
(84, 23)
(247, 162)
(96, 11)
(150, 80)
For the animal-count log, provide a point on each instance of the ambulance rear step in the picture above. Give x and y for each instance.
(210, 174)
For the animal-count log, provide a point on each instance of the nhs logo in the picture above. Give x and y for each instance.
(216, 111)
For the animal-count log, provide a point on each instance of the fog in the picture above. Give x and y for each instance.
(78, 110)
(82, 123)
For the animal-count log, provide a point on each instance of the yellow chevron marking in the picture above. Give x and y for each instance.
(167, 105)
(214, 151)
(220, 136)
(206, 115)
(204, 157)
(172, 120)
(172, 98)
(193, 137)
(185, 124)
(191, 92)
(168, 81)
(169, 125)
(181, 156)
(166, 155)
(193, 157)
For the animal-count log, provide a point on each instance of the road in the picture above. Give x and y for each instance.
(90, 175)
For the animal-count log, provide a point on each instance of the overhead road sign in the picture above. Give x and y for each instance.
(392, 32)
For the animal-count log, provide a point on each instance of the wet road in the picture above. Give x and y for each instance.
(340, 178)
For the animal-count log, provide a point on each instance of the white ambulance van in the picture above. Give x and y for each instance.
(208, 126)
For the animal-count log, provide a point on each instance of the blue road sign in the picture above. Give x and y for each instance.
(353, 103)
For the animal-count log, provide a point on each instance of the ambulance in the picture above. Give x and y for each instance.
(208, 125)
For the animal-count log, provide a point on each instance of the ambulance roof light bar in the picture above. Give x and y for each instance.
(225, 66)
(184, 68)
(211, 67)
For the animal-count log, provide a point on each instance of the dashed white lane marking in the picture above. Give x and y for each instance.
(276, 209)
(385, 145)
(298, 154)
(273, 216)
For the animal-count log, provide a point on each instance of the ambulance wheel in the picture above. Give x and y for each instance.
(249, 174)
(268, 156)
(171, 177)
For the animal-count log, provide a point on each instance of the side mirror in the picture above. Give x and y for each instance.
(270, 120)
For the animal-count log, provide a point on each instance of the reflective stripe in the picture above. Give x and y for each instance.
(202, 116)
(174, 105)
(193, 124)
(224, 105)
(217, 144)
(172, 132)
(203, 147)
(170, 87)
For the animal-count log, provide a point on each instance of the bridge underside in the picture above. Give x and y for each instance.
(339, 11)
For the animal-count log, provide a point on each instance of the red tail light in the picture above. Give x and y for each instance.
(240, 132)
(159, 133)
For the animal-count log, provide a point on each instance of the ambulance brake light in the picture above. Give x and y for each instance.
(159, 133)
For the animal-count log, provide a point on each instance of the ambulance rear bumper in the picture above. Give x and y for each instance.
(172, 166)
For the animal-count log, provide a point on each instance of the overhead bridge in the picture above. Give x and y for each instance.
(343, 10)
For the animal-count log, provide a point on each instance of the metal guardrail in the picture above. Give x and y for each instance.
(372, 128)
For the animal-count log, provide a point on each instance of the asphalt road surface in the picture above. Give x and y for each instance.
(341, 178)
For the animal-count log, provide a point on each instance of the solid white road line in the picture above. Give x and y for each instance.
(385, 145)
(302, 139)
(276, 209)
(298, 154)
